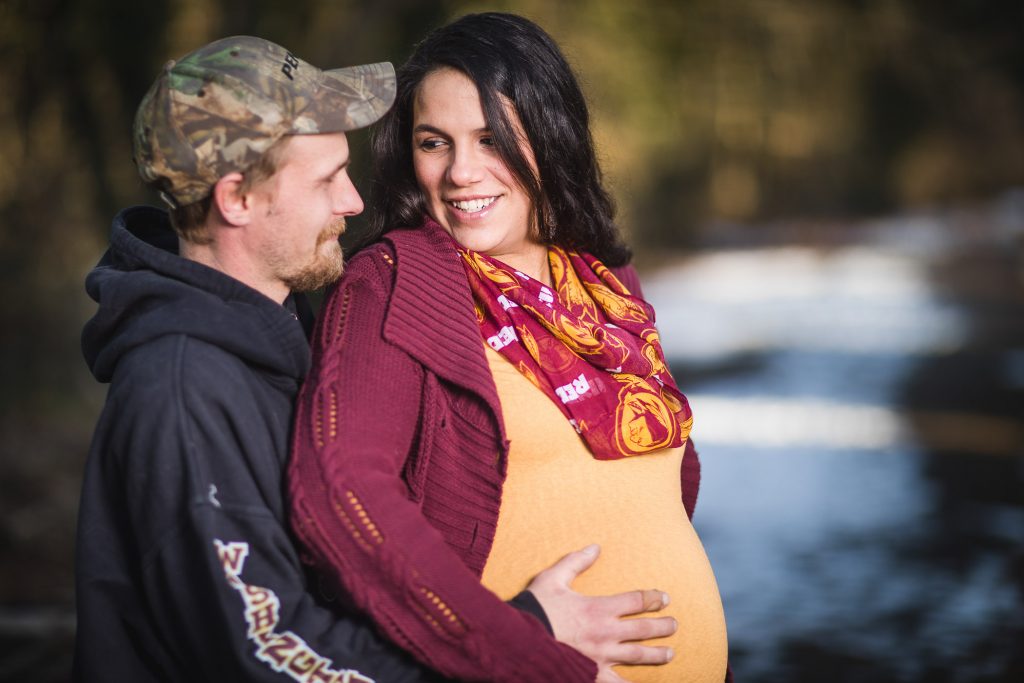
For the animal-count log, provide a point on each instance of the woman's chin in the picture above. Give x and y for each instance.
(475, 240)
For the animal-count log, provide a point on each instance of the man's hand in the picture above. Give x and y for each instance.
(594, 625)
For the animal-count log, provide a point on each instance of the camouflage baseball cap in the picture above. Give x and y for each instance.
(217, 110)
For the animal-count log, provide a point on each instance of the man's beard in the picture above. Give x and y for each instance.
(325, 268)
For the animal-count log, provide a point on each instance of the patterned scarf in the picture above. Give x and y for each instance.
(590, 346)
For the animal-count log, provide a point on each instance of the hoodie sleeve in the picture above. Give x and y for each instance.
(219, 575)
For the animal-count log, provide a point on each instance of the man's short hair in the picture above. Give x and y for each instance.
(220, 108)
(189, 221)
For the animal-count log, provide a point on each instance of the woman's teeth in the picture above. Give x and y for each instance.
(473, 205)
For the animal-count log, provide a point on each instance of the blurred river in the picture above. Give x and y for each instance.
(858, 406)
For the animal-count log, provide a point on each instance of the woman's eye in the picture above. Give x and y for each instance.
(487, 141)
(431, 144)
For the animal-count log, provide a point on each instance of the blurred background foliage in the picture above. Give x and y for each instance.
(706, 112)
(739, 110)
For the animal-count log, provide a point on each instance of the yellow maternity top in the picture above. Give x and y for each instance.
(558, 498)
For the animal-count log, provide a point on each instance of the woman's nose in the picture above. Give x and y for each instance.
(465, 168)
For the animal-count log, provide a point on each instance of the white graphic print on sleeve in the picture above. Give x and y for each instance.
(284, 652)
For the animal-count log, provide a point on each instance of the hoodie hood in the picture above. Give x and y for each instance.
(146, 291)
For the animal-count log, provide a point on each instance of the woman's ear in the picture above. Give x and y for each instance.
(234, 205)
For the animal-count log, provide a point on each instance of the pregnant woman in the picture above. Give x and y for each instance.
(489, 390)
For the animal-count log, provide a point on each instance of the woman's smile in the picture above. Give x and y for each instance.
(474, 207)
(468, 188)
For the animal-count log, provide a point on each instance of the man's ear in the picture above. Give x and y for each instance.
(233, 205)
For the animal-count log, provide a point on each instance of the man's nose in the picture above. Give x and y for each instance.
(347, 201)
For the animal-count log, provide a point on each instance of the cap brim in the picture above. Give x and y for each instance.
(349, 98)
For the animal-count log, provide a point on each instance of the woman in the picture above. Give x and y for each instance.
(489, 391)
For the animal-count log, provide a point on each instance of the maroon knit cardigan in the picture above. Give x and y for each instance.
(398, 459)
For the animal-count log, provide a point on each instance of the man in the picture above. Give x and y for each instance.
(185, 566)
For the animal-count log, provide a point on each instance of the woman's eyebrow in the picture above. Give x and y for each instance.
(427, 128)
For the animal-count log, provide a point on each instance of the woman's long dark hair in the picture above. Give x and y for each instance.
(505, 56)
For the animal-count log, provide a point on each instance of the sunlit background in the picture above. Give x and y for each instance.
(826, 198)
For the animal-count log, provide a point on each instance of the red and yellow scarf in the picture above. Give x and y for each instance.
(590, 346)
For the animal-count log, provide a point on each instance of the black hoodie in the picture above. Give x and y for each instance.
(186, 570)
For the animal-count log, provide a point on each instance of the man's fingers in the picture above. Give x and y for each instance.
(632, 653)
(636, 602)
(595, 625)
(652, 601)
(645, 628)
(571, 566)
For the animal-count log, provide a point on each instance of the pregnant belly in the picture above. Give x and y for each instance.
(633, 511)
(558, 498)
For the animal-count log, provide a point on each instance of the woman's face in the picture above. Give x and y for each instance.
(468, 188)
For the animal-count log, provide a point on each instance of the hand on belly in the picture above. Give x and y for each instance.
(595, 625)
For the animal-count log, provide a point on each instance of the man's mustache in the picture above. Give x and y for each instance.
(332, 232)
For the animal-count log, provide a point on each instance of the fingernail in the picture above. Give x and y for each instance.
(675, 625)
(664, 600)
(591, 549)
(669, 654)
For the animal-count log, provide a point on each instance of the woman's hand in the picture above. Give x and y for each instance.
(595, 625)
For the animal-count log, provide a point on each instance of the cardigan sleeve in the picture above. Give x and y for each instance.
(357, 420)
(689, 473)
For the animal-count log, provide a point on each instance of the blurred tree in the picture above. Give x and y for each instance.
(945, 99)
